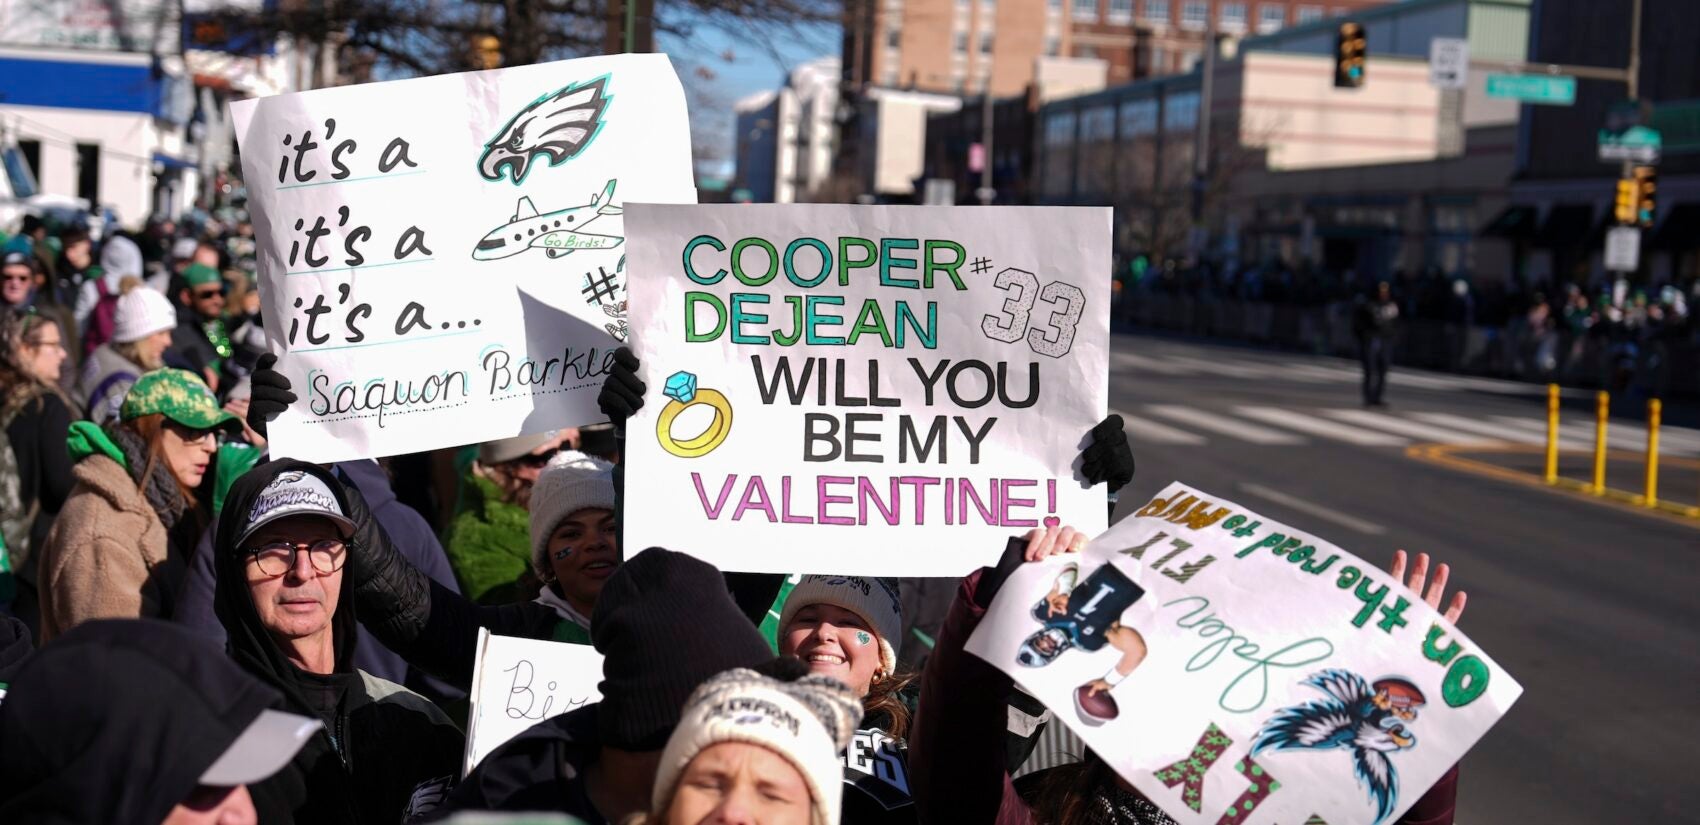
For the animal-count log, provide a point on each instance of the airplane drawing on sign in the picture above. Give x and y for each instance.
(557, 233)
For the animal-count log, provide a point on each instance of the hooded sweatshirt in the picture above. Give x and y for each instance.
(385, 752)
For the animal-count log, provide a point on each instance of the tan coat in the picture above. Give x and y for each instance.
(103, 545)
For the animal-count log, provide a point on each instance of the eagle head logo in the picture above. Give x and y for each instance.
(558, 125)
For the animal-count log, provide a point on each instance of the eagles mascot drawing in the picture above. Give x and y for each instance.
(1357, 716)
(556, 126)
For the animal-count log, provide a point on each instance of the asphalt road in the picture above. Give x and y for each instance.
(1591, 607)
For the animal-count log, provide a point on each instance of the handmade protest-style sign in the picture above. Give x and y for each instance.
(517, 683)
(866, 390)
(443, 260)
(1237, 670)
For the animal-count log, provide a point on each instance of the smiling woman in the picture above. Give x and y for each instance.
(574, 544)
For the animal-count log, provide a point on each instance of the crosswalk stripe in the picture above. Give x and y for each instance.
(1422, 432)
(1141, 362)
(1619, 435)
(1143, 430)
(1311, 372)
(1216, 423)
(1323, 427)
(1499, 431)
(1218, 367)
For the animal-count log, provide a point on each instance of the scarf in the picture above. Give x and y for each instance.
(1115, 804)
(159, 488)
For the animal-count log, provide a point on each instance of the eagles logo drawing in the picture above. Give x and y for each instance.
(1368, 720)
(556, 126)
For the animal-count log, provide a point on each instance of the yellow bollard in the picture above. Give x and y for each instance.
(1654, 409)
(1552, 434)
(1602, 411)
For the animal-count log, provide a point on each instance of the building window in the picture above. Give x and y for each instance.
(1053, 45)
(1086, 10)
(985, 42)
(961, 42)
(88, 172)
(1195, 14)
(31, 150)
(893, 37)
(1056, 5)
(1233, 17)
(1270, 18)
(888, 75)
(1120, 11)
(1157, 11)
(1180, 112)
(1307, 14)
(1087, 52)
(1159, 60)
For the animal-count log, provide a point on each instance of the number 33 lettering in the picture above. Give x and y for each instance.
(1054, 337)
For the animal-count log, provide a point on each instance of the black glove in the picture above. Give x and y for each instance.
(271, 394)
(1108, 459)
(992, 580)
(392, 597)
(622, 393)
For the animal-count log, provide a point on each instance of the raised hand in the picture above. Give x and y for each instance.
(271, 394)
(622, 392)
(1108, 459)
(1419, 575)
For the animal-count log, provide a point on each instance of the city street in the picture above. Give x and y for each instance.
(1591, 606)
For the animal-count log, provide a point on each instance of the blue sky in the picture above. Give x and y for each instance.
(753, 67)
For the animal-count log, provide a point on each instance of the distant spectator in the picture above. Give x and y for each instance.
(35, 416)
(201, 341)
(489, 543)
(97, 299)
(141, 332)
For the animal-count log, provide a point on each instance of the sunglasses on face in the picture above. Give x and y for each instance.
(204, 294)
(275, 558)
(22, 279)
(191, 435)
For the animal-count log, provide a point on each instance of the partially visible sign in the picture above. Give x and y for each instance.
(1237, 670)
(517, 683)
(1623, 249)
(1448, 62)
(1640, 144)
(149, 26)
(1549, 90)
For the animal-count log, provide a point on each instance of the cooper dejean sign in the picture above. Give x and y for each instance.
(1237, 670)
(924, 375)
(443, 260)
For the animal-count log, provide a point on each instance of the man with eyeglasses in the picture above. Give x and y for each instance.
(201, 341)
(385, 754)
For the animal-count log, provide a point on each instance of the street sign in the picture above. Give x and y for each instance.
(1448, 62)
(1550, 90)
(1623, 249)
(1639, 144)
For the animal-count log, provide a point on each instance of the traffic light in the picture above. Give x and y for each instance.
(487, 51)
(1351, 47)
(1623, 208)
(1646, 194)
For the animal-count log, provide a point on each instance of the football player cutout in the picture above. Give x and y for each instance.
(1088, 614)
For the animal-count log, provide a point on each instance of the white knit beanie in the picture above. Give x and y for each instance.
(875, 600)
(119, 256)
(141, 312)
(570, 482)
(809, 722)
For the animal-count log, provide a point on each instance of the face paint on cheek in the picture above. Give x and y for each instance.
(863, 639)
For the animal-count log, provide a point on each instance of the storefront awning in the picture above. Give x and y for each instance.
(1514, 222)
(1681, 229)
(1567, 225)
(169, 162)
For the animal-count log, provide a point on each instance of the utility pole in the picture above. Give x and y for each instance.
(986, 192)
(1201, 138)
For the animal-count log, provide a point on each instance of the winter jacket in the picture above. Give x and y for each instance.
(876, 773)
(190, 344)
(105, 378)
(489, 543)
(958, 766)
(107, 554)
(543, 768)
(385, 754)
(37, 431)
(195, 609)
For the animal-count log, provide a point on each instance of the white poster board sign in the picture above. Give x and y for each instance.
(517, 683)
(443, 259)
(869, 390)
(1234, 669)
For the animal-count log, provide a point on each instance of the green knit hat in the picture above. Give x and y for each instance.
(201, 275)
(181, 397)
